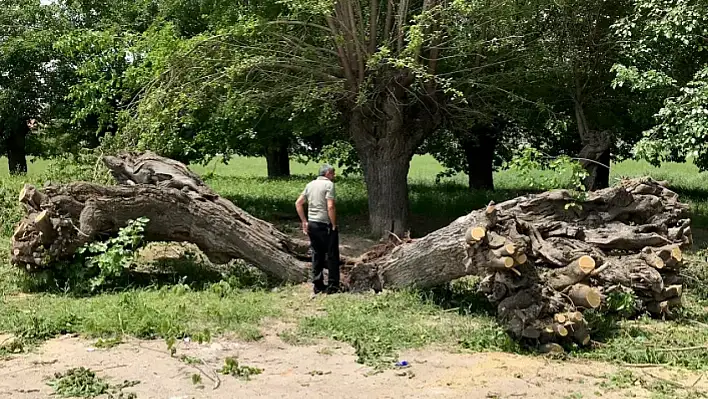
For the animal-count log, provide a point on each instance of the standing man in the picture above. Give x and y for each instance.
(320, 225)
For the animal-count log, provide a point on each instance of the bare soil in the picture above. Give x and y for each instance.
(324, 370)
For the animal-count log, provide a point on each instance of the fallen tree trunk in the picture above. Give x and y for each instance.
(544, 258)
(179, 205)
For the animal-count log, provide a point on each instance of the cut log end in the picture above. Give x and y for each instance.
(475, 234)
(510, 249)
(585, 296)
(508, 262)
(521, 259)
(41, 216)
(560, 330)
(586, 264)
(23, 195)
(677, 254)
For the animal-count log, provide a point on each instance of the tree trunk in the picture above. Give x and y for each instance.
(180, 208)
(278, 161)
(386, 176)
(386, 135)
(479, 152)
(544, 258)
(595, 155)
(16, 151)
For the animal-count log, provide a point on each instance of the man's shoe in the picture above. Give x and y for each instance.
(332, 290)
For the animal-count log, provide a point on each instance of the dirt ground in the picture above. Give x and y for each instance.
(325, 370)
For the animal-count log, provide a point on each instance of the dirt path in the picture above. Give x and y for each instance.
(326, 370)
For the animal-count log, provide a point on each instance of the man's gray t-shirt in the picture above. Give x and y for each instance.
(317, 193)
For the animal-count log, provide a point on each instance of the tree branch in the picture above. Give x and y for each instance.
(402, 14)
(373, 28)
(388, 21)
(342, 56)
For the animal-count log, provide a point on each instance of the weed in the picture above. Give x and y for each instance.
(232, 368)
(196, 379)
(190, 359)
(108, 343)
(113, 256)
(660, 388)
(82, 382)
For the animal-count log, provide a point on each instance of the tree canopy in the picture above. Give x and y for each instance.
(369, 83)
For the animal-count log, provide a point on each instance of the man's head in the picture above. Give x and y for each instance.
(327, 171)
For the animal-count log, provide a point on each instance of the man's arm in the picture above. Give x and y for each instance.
(300, 206)
(332, 212)
(331, 208)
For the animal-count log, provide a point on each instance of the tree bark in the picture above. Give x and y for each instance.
(16, 149)
(595, 154)
(479, 152)
(278, 161)
(539, 255)
(386, 135)
(386, 177)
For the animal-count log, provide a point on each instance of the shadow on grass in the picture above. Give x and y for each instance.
(75, 281)
(460, 296)
(698, 200)
(432, 205)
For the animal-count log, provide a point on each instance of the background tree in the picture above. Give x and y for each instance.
(30, 84)
(665, 56)
(376, 63)
(571, 75)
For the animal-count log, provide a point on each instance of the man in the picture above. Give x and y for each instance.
(321, 226)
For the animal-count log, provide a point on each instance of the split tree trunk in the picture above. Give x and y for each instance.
(180, 208)
(278, 161)
(16, 149)
(545, 258)
(595, 154)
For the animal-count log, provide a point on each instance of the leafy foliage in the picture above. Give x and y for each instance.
(231, 367)
(84, 383)
(112, 257)
(78, 382)
(567, 172)
(665, 55)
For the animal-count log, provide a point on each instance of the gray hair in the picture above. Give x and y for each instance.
(324, 169)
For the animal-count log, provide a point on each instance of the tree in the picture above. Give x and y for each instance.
(578, 50)
(374, 62)
(665, 56)
(29, 88)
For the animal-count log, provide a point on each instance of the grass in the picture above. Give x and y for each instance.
(377, 326)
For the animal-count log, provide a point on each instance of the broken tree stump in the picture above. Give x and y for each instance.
(544, 259)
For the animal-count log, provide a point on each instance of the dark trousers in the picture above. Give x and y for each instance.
(325, 252)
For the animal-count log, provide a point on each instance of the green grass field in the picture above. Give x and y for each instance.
(378, 326)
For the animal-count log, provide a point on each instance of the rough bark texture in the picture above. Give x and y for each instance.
(544, 258)
(386, 137)
(180, 208)
(595, 154)
(278, 161)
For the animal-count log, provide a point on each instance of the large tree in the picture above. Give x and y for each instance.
(665, 56)
(568, 74)
(30, 84)
(375, 62)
